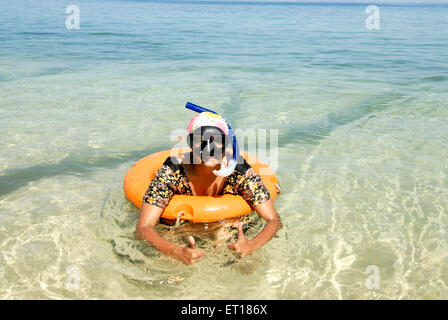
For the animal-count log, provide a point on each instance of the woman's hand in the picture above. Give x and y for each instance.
(188, 254)
(242, 245)
(149, 216)
(245, 246)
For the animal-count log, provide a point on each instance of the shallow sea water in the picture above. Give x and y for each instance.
(362, 146)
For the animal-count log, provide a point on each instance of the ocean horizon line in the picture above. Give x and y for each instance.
(299, 3)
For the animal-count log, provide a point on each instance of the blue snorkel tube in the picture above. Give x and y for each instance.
(224, 171)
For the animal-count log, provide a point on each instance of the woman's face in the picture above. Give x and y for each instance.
(208, 147)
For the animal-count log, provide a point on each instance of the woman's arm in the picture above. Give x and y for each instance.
(149, 217)
(267, 211)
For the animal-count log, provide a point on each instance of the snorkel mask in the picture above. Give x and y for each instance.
(208, 142)
(213, 138)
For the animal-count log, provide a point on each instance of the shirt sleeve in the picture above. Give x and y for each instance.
(161, 189)
(253, 189)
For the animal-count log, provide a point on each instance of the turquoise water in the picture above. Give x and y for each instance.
(362, 145)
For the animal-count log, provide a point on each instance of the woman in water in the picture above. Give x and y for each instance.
(193, 173)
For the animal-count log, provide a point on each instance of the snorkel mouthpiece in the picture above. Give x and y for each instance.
(224, 171)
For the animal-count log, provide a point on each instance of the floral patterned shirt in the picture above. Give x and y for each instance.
(172, 179)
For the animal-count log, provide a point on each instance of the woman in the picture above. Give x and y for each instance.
(193, 173)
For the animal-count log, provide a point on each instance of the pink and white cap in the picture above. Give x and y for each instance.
(207, 119)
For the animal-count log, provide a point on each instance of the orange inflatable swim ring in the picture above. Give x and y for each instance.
(193, 208)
